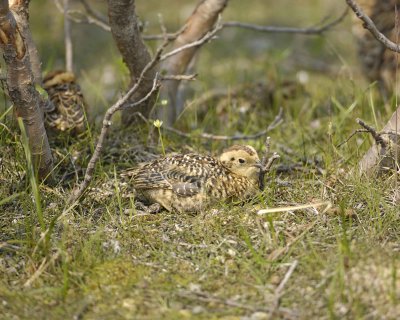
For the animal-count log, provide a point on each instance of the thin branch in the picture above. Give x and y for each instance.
(79, 16)
(371, 27)
(180, 77)
(279, 289)
(377, 136)
(286, 278)
(169, 36)
(208, 36)
(67, 38)
(208, 136)
(78, 192)
(93, 13)
(205, 297)
(276, 29)
(351, 136)
(93, 17)
(266, 163)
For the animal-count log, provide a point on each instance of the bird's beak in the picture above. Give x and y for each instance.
(258, 165)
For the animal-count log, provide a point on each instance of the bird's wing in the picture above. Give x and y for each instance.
(69, 107)
(171, 175)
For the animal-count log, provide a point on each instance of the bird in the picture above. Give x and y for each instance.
(192, 182)
(66, 110)
(378, 63)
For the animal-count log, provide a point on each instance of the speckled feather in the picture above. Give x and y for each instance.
(66, 112)
(190, 182)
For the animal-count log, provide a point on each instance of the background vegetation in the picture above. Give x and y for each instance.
(108, 260)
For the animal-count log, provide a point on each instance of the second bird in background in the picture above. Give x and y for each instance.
(66, 112)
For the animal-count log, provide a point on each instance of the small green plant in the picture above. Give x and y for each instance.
(30, 172)
(158, 123)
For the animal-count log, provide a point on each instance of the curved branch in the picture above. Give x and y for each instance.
(371, 27)
(276, 29)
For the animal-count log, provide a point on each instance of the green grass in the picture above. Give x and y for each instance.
(105, 259)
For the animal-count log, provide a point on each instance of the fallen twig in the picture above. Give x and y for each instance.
(205, 297)
(281, 286)
(327, 205)
(278, 252)
(77, 192)
(351, 136)
(43, 266)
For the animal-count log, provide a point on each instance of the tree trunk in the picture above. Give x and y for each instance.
(14, 35)
(199, 23)
(125, 30)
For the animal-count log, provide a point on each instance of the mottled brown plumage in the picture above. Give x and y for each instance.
(191, 182)
(378, 63)
(67, 110)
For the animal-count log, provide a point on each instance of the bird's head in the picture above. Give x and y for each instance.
(58, 77)
(242, 160)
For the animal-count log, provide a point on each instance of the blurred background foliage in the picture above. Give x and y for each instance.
(237, 56)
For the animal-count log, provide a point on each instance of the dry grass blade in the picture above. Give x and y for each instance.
(327, 205)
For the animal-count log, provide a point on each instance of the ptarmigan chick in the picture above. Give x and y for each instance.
(67, 110)
(191, 182)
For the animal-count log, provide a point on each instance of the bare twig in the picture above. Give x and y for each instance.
(208, 136)
(180, 77)
(377, 136)
(351, 136)
(266, 163)
(43, 266)
(92, 17)
(205, 297)
(276, 29)
(67, 39)
(279, 289)
(93, 13)
(208, 36)
(371, 27)
(276, 254)
(89, 17)
(78, 192)
(286, 278)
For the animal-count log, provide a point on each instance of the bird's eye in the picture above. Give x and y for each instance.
(232, 159)
(242, 161)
